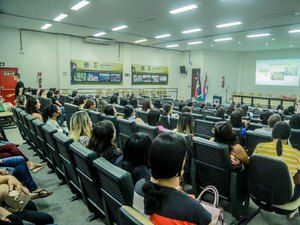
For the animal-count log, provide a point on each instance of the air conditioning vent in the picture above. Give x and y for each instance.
(100, 41)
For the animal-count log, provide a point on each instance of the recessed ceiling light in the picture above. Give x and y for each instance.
(60, 17)
(258, 35)
(223, 39)
(195, 43)
(119, 28)
(291, 46)
(273, 39)
(46, 26)
(211, 45)
(191, 31)
(294, 31)
(99, 34)
(139, 41)
(79, 5)
(163, 36)
(183, 9)
(172, 46)
(229, 24)
(239, 42)
(267, 44)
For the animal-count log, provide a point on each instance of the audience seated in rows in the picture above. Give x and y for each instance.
(102, 142)
(90, 104)
(135, 156)
(279, 149)
(102, 105)
(33, 108)
(50, 115)
(21, 102)
(273, 119)
(17, 166)
(81, 127)
(147, 105)
(153, 118)
(295, 121)
(110, 110)
(50, 94)
(164, 200)
(185, 124)
(129, 114)
(237, 122)
(30, 213)
(223, 133)
(265, 116)
(220, 112)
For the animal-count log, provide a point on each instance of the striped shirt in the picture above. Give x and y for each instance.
(290, 156)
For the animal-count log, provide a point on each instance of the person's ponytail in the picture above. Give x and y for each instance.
(279, 147)
(153, 197)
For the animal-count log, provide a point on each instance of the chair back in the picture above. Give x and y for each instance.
(295, 138)
(143, 115)
(255, 120)
(151, 130)
(116, 187)
(126, 128)
(53, 151)
(197, 116)
(44, 103)
(70, 109)
(213, 118)
(212, 166)
(89, 181)
(63, 145)
(40, 135)
(208, 113)
(253, 138)
(269, 181)
(253, 126)
(130, 216)
(96, 117)
(165, 122)
(173, 122)
(204, 128)
(33, 140)
(120, 109)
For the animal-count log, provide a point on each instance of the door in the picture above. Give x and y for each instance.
(7, 83)
(195, 74)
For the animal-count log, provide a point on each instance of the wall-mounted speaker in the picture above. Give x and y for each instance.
(182, 69)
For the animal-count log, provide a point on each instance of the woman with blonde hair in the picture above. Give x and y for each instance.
(81, 127)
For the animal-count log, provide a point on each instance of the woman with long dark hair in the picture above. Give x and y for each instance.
(102, 142)
(33, 107)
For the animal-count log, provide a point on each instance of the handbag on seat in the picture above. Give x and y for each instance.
(217, 213)
(16, 202)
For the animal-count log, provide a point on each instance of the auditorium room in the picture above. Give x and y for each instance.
(133, 112)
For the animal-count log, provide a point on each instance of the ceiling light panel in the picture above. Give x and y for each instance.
(294, 31)
(172, 46)
(223, 39)
(60, 17)
(119, 28)
(46, 26)
(191, 31)
(258, 35)
(99, 34)
(229, 24)
(183, 9)
(139, 41)
(79, 5)
(163, 36)
(195, 43)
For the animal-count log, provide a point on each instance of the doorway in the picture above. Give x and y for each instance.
(7, 83)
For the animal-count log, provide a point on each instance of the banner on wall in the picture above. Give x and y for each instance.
(88, 72)
(145, 74)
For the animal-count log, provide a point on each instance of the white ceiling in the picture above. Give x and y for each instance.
(149, 18)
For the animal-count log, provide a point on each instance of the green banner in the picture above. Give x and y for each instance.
(145, 74)
(89, 72)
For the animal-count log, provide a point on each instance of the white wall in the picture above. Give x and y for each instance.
(51, 55)
(248, 67)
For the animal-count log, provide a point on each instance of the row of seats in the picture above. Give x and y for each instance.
(103, 187)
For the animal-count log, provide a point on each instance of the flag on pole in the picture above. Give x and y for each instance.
(198, 94)
(205, 88)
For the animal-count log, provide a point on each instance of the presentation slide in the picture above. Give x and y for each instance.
(278, 72)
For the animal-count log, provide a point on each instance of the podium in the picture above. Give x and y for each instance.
(217, 100)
